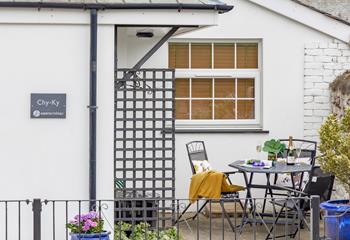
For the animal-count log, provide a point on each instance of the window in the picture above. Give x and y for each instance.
(217, 83)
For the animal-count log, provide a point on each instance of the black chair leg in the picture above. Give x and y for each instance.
(183, 212)
(276, 220)
(227, 216)
(264, 203)
(206, 202)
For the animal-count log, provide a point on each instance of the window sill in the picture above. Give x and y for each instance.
(259, 131)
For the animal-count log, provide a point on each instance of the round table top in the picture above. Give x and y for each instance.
(279, 168)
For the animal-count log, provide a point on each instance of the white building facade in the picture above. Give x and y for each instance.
(48, 51)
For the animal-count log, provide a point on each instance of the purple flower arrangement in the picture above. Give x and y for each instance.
(86, 223)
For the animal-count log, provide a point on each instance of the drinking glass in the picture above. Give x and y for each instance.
(298, 152)
(258, 150)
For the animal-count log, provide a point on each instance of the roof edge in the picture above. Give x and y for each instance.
(308, 17)
(323, 12)
(221, 8)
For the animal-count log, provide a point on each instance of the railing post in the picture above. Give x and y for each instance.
(37, 206)
(315, 218)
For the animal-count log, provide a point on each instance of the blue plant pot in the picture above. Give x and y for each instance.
(90, 236)
(337, 219)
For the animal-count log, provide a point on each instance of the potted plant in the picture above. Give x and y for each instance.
(87, 227)
(273, 147)
(335, 159)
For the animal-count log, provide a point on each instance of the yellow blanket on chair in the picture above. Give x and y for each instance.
(210, 185)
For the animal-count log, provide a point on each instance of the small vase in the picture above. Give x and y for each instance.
(90, 236)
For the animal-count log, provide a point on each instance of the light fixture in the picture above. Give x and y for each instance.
(144, 34)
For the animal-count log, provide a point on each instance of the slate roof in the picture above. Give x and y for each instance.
(338, 10)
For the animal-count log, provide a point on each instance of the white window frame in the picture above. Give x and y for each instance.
(212, 73)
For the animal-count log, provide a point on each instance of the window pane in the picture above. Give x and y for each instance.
(224, 109)
(202, 88)
(182, 109)
(247, 55)
(201, 109)
(245, 109)
(224, 55)
(182, 88)
(200, 55)
(225, 88)
(178, 55)
(245, 87)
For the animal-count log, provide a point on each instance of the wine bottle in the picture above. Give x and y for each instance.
(291, 152)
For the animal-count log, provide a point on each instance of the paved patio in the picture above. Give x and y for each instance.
(189, 230)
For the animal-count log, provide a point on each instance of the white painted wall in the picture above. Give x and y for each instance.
(48, 158)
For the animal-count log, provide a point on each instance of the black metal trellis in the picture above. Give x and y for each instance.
(145, 139)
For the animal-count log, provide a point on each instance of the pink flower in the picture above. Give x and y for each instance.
(93, 224)
(86, 227)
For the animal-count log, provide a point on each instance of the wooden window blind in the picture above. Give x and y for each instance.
(221, 98)
(225, 88)
(245, 87)
(182, 109)
(224, 55)
(178, 55)
(201, 56)
(202, 88)
(202, 109)
(225, 109)
(182, 88)
(245, 109)
(247, 55)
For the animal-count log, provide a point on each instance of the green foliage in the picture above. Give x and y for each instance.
(335, 148)
(274, 146)
(142, 231)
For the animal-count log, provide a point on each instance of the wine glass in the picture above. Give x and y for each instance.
(298, 152)
(258, 150)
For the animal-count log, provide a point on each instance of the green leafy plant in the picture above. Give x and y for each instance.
(143, 231)
(335, 148)
(274, 146)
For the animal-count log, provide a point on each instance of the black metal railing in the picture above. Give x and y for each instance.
(142, 219)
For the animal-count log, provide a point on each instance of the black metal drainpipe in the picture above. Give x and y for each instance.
(93, 107)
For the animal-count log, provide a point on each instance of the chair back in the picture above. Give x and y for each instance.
(308, 149)
(320, 184)
(196, 152)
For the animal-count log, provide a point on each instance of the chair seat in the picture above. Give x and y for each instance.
(230, 194)
(289, 203)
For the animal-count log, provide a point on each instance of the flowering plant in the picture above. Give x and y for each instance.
(86, 223)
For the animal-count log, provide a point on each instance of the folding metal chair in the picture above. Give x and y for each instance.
(197, 152)
(319, 184)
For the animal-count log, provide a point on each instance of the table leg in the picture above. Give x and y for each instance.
(247, 199)
(293, 183)
(268, 186)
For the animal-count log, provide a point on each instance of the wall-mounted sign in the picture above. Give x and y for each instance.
(48, 105)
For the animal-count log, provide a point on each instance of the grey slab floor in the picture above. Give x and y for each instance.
(190, 229)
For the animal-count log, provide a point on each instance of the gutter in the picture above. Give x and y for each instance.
(221, 8)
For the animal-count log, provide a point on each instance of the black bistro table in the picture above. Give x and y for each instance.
(279, 168)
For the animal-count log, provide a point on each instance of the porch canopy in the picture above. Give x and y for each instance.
(196, 13)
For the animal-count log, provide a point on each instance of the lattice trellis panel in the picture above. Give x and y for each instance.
(144, 137)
